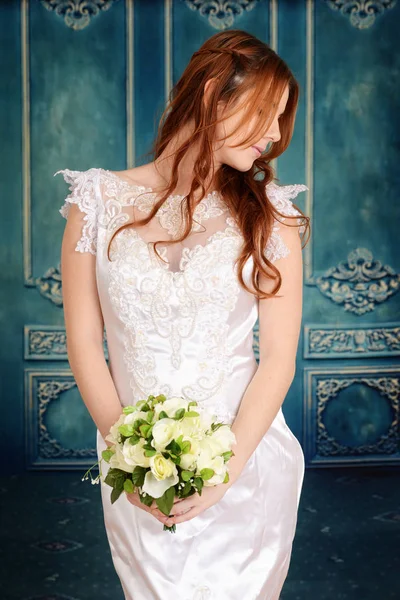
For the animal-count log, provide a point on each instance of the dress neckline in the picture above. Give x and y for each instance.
(214, 195)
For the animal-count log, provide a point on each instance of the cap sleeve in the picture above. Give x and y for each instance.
(83, 188)
(281, 197)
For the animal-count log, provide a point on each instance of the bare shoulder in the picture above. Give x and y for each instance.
(142, 176)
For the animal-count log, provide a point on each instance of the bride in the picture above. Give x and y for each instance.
(178, 259)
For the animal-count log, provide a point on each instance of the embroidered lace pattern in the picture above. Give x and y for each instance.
(281, 197)
(147, 295)
(83, 193)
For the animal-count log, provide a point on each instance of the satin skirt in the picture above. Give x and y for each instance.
(237, 549)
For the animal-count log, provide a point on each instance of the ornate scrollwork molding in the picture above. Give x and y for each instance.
(328, 389)
(49, 342)
(360, 283)
(49, 285)
(77, 13)
(221, 14)
(50, 448)
(346, 342)
(362, 13)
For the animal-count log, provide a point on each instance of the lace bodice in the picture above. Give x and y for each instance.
(183, 326)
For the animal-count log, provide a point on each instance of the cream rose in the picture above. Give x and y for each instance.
(171, 405)
(217, 464)
(114, 434)
(222, 439)
(163, 474)
(164, 431)
(134, 454)
(117, 461)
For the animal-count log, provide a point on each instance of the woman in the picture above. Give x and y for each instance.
(179, 318)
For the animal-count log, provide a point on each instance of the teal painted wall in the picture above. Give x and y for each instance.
(84, 92)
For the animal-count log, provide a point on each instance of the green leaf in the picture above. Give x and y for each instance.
(186, 446)
(161, 398)
(227, 455)
(115, 494)
(192, 413)
(126, 430)
(226, 478)
(150, 416)
(150, 452)
(192, 403)
(127, 410)
(179, 413)
(199, 483)
(107, 454)
(207, 473)
(113, 476)
(186, 475)
(128, 486)
(144, 428)
(163, 415)
(186, 488)
(173, 447)
(147, 500)
(138, 475)
(134, 439)
(166, 501)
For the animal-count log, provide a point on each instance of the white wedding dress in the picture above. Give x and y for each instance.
(185, 327)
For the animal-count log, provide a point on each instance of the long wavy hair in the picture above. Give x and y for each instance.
(239, 62)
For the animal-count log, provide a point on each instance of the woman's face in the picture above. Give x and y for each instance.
(243, 156)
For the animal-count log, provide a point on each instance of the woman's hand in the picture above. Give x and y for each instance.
(190, 507)
(134, 499)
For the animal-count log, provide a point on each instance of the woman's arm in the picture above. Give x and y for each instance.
(84, 328)
(279, 330)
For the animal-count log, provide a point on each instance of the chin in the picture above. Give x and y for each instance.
(240, 165)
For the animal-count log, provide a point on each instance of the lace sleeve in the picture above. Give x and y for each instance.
(280, 196)
(83, 188)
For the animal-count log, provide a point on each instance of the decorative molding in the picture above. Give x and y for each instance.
(42, 449)
(362, 13)
(359, 284)
(77, 14)
(49, 285)
(351, 342)
(48, 447)
(323, 386)
(328, 389)
(49, 342)
(221, 14)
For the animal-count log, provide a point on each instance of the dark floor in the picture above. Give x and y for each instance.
(347, 546)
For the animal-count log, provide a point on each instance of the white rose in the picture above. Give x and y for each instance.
(114, 434)
(139, 414)
(189, 459)
(223, 438)
(171, 405)
(134, 454)
(117, 461)
(164, 431)
(217, 464)
(190, 428)
(163, 474)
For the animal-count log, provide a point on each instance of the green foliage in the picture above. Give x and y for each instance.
(166, 501)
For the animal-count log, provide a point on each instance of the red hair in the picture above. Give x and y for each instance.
(239, 62)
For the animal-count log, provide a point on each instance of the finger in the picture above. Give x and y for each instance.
(182, 518)
(180, 508)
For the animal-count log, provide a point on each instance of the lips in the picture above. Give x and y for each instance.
(258, 149)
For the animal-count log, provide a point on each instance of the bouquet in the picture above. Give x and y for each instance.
(164, 449)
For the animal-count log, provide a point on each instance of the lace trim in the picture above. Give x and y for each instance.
(83, 193)
(280, 196)
(138, 289)
(169, 214)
